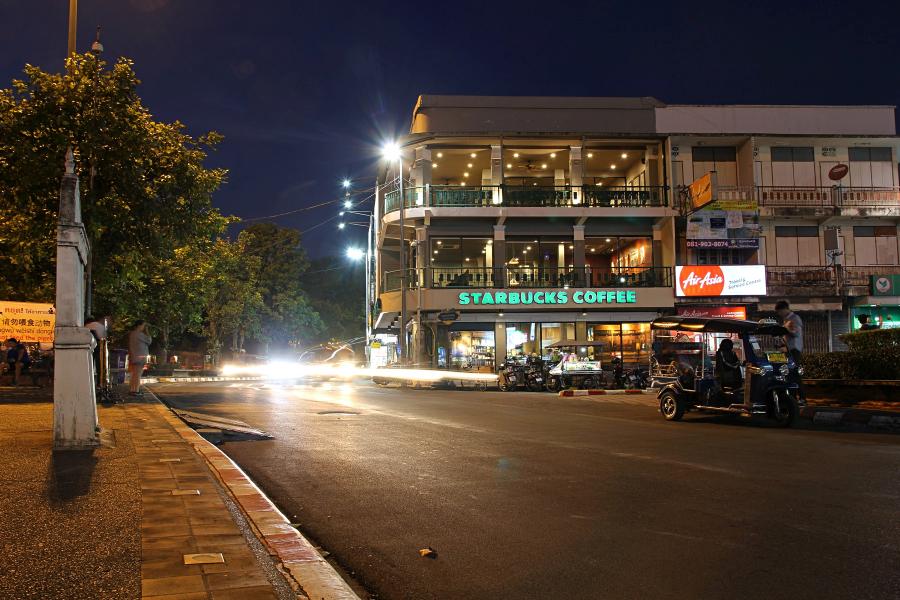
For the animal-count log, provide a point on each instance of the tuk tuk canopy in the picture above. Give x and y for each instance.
(716, 325)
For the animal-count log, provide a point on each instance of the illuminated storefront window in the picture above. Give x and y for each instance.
(555, 332)
(472, 350)
(521, 340)
(628, 341)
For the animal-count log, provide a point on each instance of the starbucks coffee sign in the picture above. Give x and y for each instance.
(549, 297)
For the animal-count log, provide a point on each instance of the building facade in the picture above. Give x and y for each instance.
(527, 221)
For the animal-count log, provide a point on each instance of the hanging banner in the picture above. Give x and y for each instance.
(27, 321)
(702, 191)
(724, 312)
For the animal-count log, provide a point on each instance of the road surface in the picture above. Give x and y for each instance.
(527, 495)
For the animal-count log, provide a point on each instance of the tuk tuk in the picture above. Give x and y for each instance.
(749, 375)
(575, 367)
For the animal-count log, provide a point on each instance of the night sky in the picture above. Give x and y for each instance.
(305, 91)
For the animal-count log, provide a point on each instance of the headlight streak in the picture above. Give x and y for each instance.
(281, 370)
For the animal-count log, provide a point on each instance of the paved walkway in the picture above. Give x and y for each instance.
(141, 516)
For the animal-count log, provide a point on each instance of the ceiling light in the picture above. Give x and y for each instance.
(472, 155)
(467, 259)
(543, 165)
(571, 247)
(434, 165)
(435, 251)
(553, 155)
(466, 174)
(590, 155)
(624, 155)
(440, 155)
(593, 249)
(439, 242)
(461, 183)
(509, 165)
(608, 240)
(470, 165)
(515, 155)
(612, 166)
(599, 183)
(528, 247)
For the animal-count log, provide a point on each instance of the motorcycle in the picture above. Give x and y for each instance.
(534, 375)
(510, 377)
(637, 379)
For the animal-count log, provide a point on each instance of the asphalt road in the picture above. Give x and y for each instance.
(535, 496)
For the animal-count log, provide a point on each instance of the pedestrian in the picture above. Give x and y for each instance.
(98, 330)
(792, 322)
(17, 359)
(864, 324)
(138, 351)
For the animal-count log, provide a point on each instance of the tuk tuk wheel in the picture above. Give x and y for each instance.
(671, 406)
(783, 407)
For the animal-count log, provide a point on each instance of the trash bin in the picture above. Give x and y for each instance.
(117, 365)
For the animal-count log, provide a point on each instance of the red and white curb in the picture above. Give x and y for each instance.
(299, 559)
(200, 379)
(570, 393)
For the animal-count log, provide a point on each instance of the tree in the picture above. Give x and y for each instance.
(336, 291)
(288, 319)
(146, 195)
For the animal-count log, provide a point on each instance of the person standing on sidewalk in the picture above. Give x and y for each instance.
(794, 324)
(17, 359)
(138, 351)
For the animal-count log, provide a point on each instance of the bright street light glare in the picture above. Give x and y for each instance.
(348, 204)
(391, 151)
(355, 254)
(346, 183)
(340, 225)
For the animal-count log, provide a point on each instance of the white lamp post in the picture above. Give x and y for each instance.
(392, 153)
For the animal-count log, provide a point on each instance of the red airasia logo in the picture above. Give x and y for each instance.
(702, 281)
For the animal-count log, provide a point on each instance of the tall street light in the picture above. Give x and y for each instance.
(392, 153)
(73, 25)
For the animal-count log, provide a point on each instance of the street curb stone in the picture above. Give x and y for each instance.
(571, 393)
(299, 560)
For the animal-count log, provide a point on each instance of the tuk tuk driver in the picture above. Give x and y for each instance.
(728, 366)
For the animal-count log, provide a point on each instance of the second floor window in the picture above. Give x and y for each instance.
(793, 166)
(875, 245)
(721, 159)
(871, 167)
(797, 245)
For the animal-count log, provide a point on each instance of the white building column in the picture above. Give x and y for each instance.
(75, 425)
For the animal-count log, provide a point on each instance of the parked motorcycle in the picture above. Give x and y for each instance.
(637, 379)
(510, 377)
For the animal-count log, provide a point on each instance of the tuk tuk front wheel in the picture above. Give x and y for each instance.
(671, 407)
(783, 408)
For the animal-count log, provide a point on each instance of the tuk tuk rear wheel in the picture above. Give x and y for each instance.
(671, 407)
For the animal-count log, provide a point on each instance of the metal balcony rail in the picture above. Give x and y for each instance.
(451, 195)
(527, 196)
(863, 275)
(629, 197)
(641, 277)
(538, 277)
(466, 277)
(392, 281)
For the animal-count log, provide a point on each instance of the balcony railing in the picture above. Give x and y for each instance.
(529, 277)
(806, 276)
(837, 197)
(863, 275)
(527, 197)
(868, 196)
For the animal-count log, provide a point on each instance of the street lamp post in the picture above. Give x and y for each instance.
(73, 25)
(392, 152)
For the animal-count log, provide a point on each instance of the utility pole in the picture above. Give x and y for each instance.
(73, 26)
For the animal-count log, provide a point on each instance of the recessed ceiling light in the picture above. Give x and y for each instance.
(608, 240)
(553, 155)
(434, 165)
(466, 174)
(440, 155)
(472, 155)
(435, 251)
(590, 155)
(599, 183)
(509, 165)
(470, 165)
(624, 155)
(528, 247)
(515, 155)
(571, 247)
(612, 167)
(593, 249)
(524, 252)
(439, 242)
(467, 259)
(543, 165)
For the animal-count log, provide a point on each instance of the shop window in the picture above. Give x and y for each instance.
(538, 261)
(871, 167)
(628, 341)
(721, 159)
(793, 166)
(875, 245)
(721, 256)
(614, 255)
(461, 262)
(797, 245)
(472, 350)
(555, 332)
(521, 340)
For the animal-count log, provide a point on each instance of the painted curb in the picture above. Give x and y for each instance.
(299, 560)
(200, 379)
(570, 393)
(830, 417)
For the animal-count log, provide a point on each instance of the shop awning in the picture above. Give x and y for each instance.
(386, 322)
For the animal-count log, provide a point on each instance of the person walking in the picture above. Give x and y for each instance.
(794, 324)
(138, 351)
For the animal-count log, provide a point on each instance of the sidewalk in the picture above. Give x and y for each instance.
(124, 520)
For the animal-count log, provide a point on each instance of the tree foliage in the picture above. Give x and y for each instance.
(337, 293)
(145, 193)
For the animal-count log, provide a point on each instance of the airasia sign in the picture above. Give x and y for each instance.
(724, 280)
